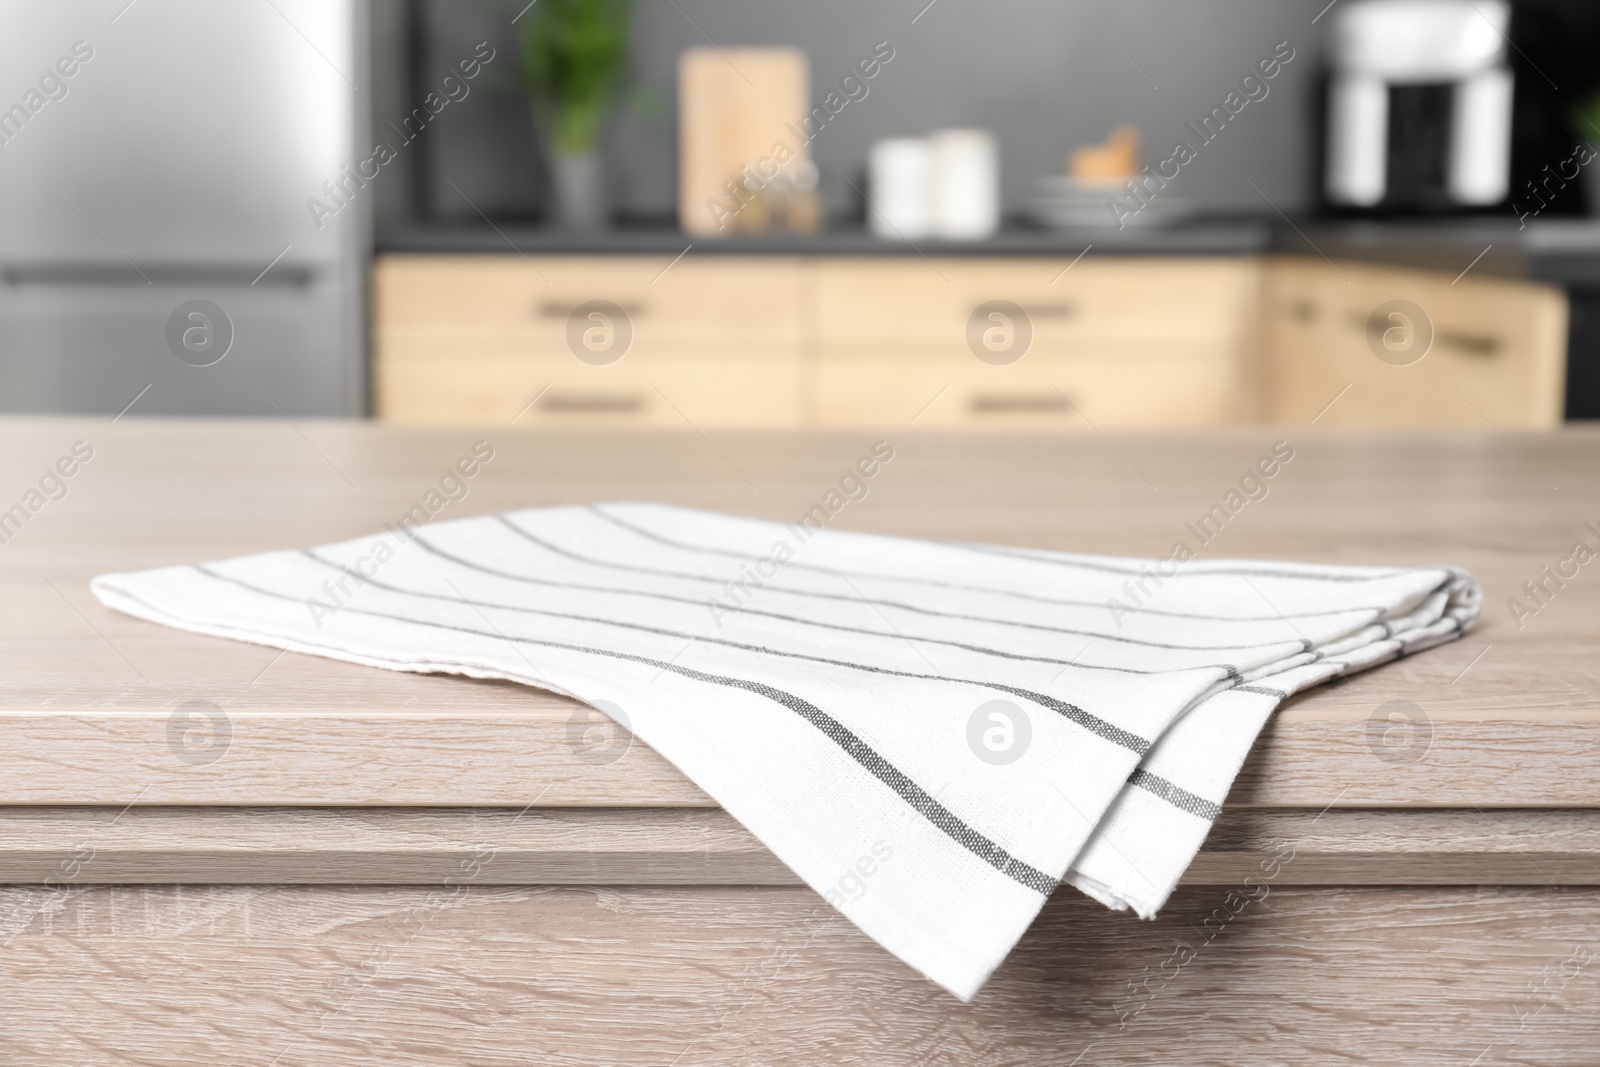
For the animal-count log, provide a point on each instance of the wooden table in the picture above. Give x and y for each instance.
(219, 854)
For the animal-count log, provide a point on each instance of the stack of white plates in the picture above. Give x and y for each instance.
(1067, 203)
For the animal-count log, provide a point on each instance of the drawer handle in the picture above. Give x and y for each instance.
(1017, 404)
(563, 309)
(1473, 344)
(1032, 311)
(592, 403)
(1304, 311)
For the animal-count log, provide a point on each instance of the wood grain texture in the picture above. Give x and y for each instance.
(683, 846)
(450, 757)
(1432, 977)
(87, 696)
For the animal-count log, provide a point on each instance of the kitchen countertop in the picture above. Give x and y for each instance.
(88, 696)
(1561, 250)
(1564, 251)
(1223, 237)
(341, 865)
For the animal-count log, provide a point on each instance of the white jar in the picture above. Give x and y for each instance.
(900, 182)
(966, 184)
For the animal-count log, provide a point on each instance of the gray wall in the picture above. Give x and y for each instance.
(1041, 73)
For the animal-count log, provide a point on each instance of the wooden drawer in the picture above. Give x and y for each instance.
(1113, 389)
(660, 393)
(1497, 355)
(913, 306)
(745, 306)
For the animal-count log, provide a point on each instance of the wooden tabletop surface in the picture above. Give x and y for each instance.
(101, 709)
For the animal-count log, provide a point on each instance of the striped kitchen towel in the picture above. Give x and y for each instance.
(932, 735)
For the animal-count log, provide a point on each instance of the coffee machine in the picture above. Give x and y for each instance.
(1419, 106)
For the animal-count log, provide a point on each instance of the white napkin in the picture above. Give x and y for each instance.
(931, 735)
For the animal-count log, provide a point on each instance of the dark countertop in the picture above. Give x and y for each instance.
(1222, 237)
(1565, 251)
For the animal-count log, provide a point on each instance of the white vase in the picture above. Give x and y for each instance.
(578, 182)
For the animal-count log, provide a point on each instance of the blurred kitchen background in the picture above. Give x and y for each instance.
(711, 214)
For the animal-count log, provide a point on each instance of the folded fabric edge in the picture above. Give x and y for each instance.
(1102, 864)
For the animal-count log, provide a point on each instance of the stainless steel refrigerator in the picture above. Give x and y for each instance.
(184, 225)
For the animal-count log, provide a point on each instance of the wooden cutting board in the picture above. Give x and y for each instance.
(734, 106)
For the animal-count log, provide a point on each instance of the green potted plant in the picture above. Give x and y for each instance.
(1586, 124)
(573, 56)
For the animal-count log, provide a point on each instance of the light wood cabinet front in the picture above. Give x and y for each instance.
(1120, 387)
(958, 343)
(503, 386)
(1033, 344)
(602, 341)
(1497, 352)
(744, 306)
(912, 306)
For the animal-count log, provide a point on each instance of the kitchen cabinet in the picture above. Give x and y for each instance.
(734, 342)
(1023, 344)
(604, 341)
(1003, 343)
(1409, 348)
(1109, 386)
(910, 306)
